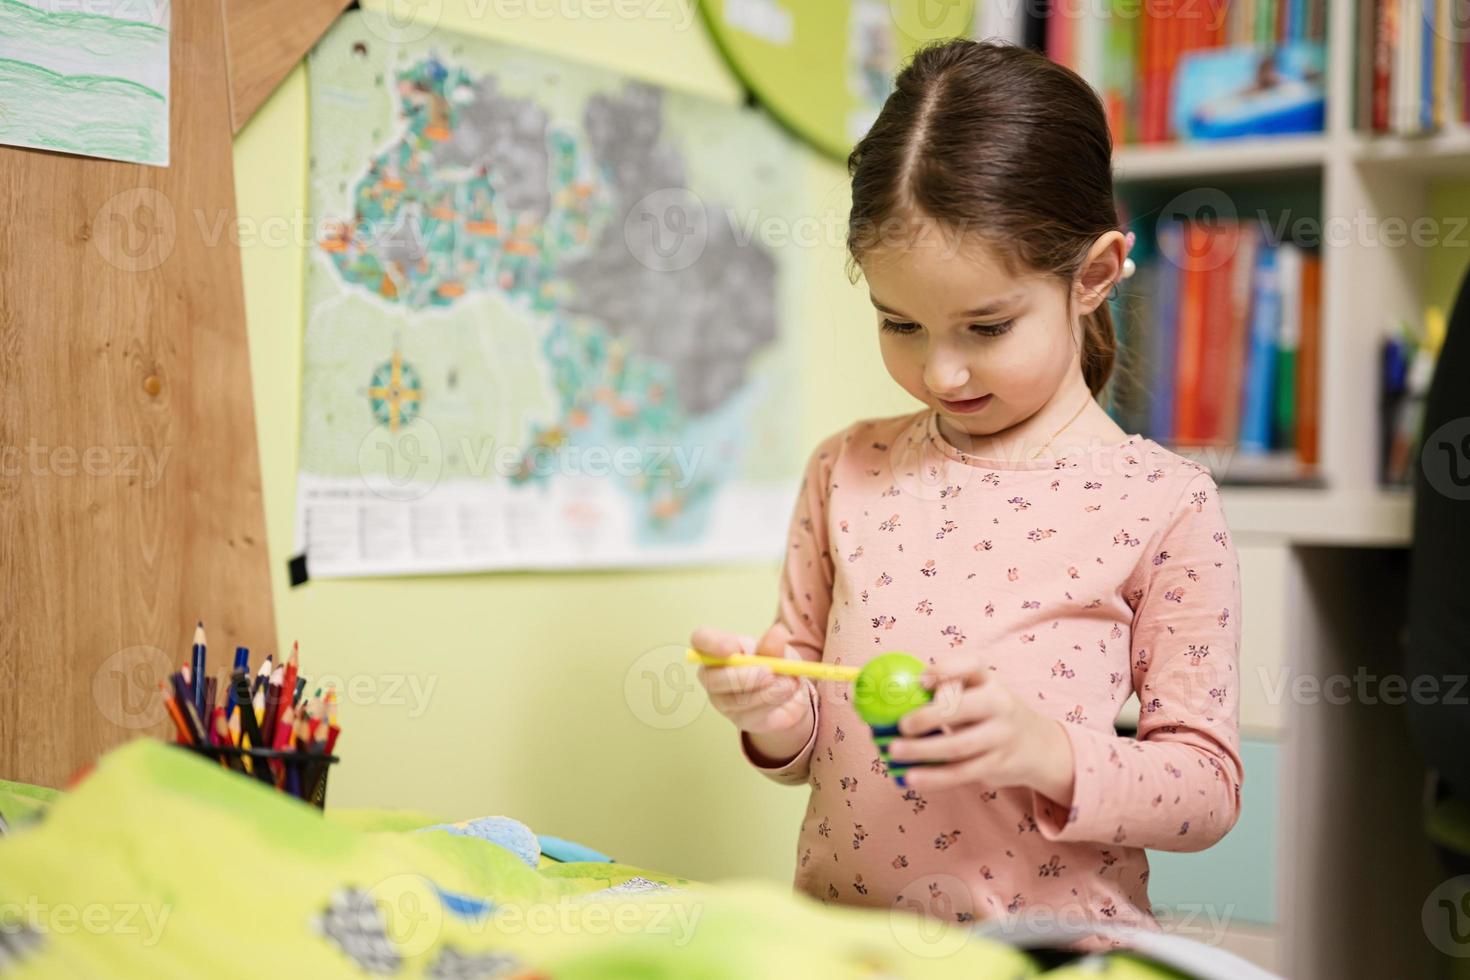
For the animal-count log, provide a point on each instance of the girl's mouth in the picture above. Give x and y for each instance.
(966, 406)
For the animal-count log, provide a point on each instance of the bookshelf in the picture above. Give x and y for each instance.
(1445, 154)
(1280, 156)
(1368, 187)
(1337, 785)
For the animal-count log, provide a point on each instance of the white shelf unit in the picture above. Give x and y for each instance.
(1373, 190)
(1265, 156)
(1323, 566)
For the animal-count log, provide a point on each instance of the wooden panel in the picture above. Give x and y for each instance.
(265, 39)
(130, 499)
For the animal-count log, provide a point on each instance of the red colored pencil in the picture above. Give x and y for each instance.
(293, 668)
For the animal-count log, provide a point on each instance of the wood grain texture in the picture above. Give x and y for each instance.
(122, 341)
(265, 40)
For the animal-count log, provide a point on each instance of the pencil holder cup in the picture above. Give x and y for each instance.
(887, 688)
(301, 774)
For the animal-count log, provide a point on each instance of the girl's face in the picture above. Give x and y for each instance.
(965, 336)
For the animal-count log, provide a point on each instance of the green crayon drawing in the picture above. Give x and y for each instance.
(86, 83)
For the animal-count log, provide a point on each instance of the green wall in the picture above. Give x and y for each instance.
(504, 693)
(1446, 264)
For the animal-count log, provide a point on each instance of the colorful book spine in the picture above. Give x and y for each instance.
(1427, 51)
(1211, 398)
(1308, 363)
(1242, 277)
(1464, 85)
(1222, 332)
(1121, 53)
(1149, 41)
(1060, 25)
(1165, 331)
(1288, 345)
(1383, 62)
(1443, 64)
(1255, 421)
(1194, 277)
(1266, 15)
(1365, 54)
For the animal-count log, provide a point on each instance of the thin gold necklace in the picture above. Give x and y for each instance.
(1046, 445)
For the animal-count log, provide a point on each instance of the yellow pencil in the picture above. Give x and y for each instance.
(778, 665)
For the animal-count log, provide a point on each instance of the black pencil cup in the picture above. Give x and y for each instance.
(302, 774)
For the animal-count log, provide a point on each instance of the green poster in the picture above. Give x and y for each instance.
(824, 67)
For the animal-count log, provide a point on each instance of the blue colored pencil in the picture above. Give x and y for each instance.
(242, 662)
(196, 671)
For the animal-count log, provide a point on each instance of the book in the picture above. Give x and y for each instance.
(1194, 275)
(1383, 62)
(1134, 53)
(1308, 363)
(1220, 338)
(1165, 331)
(1288, 343)
(1242, 276)
(1255, 420)
(1364, 56)
(1211, 397)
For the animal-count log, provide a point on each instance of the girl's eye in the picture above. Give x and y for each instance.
(898, 327)
(992, 329)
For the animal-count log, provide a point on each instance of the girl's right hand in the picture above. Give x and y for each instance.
(757, 700)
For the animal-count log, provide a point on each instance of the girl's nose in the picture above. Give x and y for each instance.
(945, 374)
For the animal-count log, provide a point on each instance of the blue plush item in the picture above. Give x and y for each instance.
(564, 850)
(467, 907)
(509, 833)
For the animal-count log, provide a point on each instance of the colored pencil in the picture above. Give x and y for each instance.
(183, 738)
(278, 716)
(186, 707)
(242, 662)
(197, 667)
(263, 676)
(293, 667)
(249, 725)
(778, 665)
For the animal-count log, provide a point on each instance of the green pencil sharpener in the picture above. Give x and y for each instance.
(887, 688)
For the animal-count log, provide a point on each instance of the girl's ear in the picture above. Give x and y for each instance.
(1101, 270)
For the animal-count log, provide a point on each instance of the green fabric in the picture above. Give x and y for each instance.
(19, 801)
(162, 864)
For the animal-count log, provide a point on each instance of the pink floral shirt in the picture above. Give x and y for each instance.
(1082, 579)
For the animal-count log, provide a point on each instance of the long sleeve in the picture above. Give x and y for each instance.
(806, 592)
(1176, 787)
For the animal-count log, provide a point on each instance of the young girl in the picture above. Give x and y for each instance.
(1044, 563)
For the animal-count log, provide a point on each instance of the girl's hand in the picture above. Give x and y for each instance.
(755, 699)
(989, 736)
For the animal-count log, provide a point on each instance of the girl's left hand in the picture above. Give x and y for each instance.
(989, 736)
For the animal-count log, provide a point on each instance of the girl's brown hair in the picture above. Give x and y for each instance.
(999, 141)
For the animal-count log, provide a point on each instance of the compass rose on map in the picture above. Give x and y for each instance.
(395, 393)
